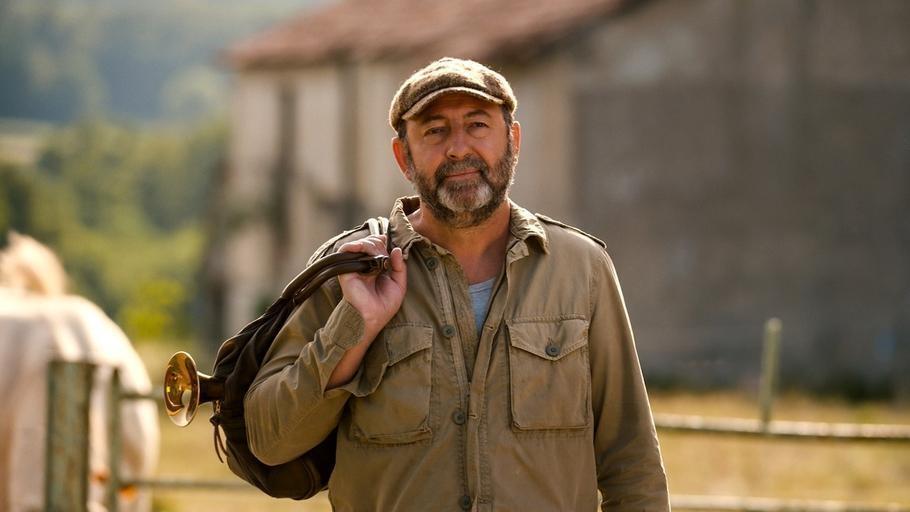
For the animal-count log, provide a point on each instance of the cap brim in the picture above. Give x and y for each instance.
(426, 100)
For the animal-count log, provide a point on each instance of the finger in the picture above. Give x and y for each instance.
(355, 246)
(372, 247)
(380, 243)
(397, 268)
(397, 260)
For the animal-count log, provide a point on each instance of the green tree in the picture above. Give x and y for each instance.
(123, 208)
(65, 60)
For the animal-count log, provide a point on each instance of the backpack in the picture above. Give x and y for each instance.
(239, 359)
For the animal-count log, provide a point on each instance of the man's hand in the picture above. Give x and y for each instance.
(376, 297)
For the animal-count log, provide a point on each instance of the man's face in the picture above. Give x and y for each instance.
(461, 158)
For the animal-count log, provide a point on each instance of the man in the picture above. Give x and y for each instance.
(493, 367)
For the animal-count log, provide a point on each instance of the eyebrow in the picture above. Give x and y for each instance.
(435, 117)
(438, 117)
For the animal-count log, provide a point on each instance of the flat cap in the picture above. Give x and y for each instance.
(445, 76)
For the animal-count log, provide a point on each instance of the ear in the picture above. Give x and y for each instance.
(401, 159)
(516, 136)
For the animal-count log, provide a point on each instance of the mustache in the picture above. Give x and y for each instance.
(470, 162)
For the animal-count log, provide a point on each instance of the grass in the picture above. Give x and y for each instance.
(872, 472)
(695, 463)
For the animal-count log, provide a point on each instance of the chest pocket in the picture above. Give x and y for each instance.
(549, 374)
(397, 372)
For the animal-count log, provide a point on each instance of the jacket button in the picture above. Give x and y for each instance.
(552, 350)
(465, 503)
(458, 417)
(432, 263)
(448, 330)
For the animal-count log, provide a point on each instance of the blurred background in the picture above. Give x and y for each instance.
(742, 160)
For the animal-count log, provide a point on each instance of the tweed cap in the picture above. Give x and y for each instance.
(446, 76)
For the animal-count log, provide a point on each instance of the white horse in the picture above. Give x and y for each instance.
(40, 323)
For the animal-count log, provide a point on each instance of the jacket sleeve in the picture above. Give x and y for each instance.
(630, 473)
(288, 410)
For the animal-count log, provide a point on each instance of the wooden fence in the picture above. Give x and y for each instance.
(69, 387)
(764, 427)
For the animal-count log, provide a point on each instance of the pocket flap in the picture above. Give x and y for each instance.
(403, 340)
(549, 339)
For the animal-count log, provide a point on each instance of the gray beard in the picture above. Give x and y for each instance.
(464, 205)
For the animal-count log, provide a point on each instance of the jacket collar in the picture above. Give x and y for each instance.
(402, 232)
(523, 225)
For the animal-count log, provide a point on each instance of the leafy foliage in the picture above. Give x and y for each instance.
(64, 60)
(123, 206)
(124, 209)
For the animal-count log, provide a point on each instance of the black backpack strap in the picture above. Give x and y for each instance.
(240, 358)
(375, 225)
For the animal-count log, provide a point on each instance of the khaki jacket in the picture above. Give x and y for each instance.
(546, 408)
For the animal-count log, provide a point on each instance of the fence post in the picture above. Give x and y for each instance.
(114, 442)
(769, 369)
(69, 386)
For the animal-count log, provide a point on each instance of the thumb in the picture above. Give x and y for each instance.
(397, 269)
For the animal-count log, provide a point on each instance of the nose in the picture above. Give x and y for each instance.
(458, 147)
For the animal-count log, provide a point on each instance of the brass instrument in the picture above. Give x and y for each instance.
(185, 388)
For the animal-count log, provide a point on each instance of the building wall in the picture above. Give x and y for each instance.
(750, 159)
(380, 180)
(545, 178)
(252, 152)
(743, 160)
(320, 188)
(289, 180)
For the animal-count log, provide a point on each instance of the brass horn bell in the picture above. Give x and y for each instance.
(185, 388)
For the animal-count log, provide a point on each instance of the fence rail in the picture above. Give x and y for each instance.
(191, 483)
(66, 475)
(783, 429)
(744, 504)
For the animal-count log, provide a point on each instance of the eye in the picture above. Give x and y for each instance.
(434, 131)
(478, 128)
(434, 134)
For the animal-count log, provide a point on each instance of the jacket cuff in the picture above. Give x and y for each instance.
(344, 327)
(342, 331)
(355, 387)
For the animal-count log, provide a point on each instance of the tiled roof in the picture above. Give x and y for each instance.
(380, 29)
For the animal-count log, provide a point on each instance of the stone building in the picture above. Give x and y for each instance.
(742, 160)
